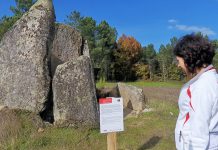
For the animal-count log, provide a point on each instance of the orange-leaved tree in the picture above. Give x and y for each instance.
(128, 53)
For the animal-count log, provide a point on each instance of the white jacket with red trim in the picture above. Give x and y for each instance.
(197, 123)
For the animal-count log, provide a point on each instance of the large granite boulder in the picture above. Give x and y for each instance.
(133, 97)
(67, 45)
(24, 75)
(74, 93)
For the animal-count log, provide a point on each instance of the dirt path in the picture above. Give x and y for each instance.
(162, 93)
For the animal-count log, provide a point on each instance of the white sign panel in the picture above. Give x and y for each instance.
(111, 114)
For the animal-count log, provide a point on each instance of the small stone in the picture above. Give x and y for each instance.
(40, 130)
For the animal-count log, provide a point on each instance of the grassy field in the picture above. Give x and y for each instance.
(151, 130)
(176, 84)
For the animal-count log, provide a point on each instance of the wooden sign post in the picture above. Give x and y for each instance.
(111, 141)
(111, 119)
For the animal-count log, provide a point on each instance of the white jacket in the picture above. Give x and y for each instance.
(197, 123)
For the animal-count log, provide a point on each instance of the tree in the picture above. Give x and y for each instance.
(166, 59)
(149, 58)
(175, 73)
(74, 19)
(21, 7)
(127, 54)
(86, 25)
(142, 71)
(129, 48)
(162, 58)
(87, 28)
(215, 59)
(5, 24)
(105, 43)
(101, 40)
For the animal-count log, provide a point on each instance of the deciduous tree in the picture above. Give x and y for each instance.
(128, 53)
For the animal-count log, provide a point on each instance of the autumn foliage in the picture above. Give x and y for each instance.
(129, 49)
(127, 54)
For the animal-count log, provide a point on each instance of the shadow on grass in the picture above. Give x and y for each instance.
(151, 143)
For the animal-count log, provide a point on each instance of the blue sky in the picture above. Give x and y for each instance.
(148, 21)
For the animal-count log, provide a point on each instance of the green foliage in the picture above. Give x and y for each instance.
(166, 58)
(105, 44)
(74, 19)
(142, 71)
(101, 40)
(21, 7)
(215, 59)
(149, 53)
(175, 73)
(117, 60)
(106, 36)
(149, 57)
(5, 24)
(163, 58)
(86, 25)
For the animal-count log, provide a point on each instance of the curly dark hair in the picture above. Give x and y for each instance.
(196, 50)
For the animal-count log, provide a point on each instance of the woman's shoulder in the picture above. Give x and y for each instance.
(207, 80)
(209, 76)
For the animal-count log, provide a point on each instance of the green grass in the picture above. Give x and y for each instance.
(143, 84)
(151, 130)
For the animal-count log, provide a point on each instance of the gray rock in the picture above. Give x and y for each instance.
(24, 77)
(86, 49)
(74, 93)
(133, 97)
(67, 45)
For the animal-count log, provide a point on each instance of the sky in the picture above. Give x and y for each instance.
(148, 21)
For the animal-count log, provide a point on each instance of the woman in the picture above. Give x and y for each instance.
(197, 123)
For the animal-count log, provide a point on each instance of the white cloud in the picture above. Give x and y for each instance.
(172, 21)
(203, 30)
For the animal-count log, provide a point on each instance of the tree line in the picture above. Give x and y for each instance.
(113, 58)
(125, 59)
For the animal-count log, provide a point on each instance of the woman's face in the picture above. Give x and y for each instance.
(181, 64)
